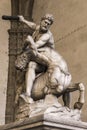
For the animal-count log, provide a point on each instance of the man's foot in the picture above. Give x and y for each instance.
(27, 98)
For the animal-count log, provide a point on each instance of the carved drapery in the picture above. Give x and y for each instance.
(17, 34)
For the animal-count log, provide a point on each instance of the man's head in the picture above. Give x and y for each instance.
(48, 17)
(46, 22)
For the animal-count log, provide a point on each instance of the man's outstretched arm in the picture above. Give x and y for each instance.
(28, 23)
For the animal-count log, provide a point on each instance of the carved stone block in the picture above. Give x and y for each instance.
(45, 122)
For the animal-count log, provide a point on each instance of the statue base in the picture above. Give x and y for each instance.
(45, 122)
(49, 106)
(46, 114)
(39, 107)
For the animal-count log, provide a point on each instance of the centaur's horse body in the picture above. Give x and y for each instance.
(56, 80)
(56, 75)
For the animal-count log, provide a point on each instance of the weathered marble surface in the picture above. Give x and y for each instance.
(49, 106)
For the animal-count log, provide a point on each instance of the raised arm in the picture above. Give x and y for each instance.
(28, 23)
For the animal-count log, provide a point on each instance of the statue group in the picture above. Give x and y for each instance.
(46, 74)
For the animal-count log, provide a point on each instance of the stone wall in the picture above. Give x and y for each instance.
(70, 34)
(5, 8)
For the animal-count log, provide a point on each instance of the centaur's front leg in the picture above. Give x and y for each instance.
(81, 100)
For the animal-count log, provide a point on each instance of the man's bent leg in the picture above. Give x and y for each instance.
(30, 77)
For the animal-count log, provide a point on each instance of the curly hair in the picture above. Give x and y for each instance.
(49, 17)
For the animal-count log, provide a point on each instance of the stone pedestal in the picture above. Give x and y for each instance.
(45, 122)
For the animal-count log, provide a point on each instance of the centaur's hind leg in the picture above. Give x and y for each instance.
(74, 87)
(66, 99)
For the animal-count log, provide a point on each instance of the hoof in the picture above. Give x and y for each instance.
(78, 105)
(81, 87)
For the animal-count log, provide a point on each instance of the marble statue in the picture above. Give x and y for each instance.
(42, 38)
(47, 74)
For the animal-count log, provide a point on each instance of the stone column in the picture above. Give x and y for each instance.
(17, 34)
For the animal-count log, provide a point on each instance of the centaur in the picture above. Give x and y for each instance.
(56, 79)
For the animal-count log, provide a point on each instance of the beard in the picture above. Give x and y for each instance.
(43, 29)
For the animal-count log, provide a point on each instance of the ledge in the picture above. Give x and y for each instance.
(45, 122)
